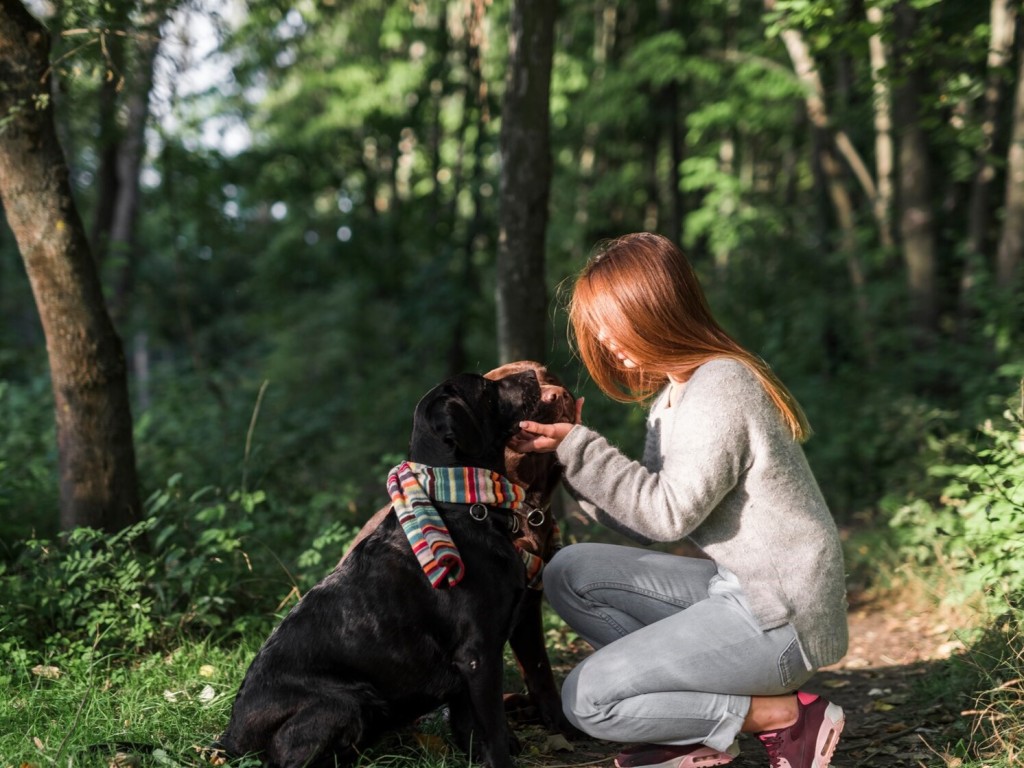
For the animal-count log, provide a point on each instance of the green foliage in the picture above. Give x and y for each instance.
(997, 662)
(27, 458)
(200, 564)
(975, 523)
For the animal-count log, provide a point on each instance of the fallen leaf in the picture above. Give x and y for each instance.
(207, 694)
(207, 670)
(882, 706)
(834, 683)
(431, 742)
(45, 670)
(125, 760)
(556, 742)
(39, 743)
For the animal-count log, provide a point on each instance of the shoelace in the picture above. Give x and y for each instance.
(773, 744)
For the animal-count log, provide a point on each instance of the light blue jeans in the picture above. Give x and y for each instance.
(678, 653)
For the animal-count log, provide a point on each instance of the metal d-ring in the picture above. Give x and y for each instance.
(478, 511)
(536, 518)
(513, 524)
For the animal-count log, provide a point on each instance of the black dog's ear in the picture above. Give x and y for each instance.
(459, 425)
(455, 420)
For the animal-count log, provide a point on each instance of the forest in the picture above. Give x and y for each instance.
(240, 240)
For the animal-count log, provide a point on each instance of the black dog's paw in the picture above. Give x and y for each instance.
(515, 747)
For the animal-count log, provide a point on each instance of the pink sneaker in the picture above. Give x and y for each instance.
(811, 740)
(673, 756)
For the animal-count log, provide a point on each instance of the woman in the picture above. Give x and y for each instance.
(692, 650)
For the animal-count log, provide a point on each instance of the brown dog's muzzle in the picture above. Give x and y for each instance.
(557, 404)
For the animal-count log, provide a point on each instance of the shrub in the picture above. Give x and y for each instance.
(977, 522)
(185, 570)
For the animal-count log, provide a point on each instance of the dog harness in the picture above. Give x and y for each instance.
(413, 487)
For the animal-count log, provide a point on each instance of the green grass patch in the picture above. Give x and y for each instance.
(66, 712)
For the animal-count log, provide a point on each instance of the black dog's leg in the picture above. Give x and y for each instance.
(461, 721)
(322, 735)
(480, 712)
(527, 642)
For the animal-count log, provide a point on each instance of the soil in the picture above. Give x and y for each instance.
(882, 684)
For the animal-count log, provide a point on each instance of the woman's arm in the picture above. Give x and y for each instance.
(706, 447)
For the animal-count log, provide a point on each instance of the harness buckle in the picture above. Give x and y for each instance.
(478, 511)
(536, 518)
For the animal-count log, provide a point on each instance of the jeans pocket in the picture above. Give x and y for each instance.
(792, 669)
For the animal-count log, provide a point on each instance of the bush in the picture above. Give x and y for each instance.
(186, 570)
(997, 659)
(976, 523)
(28, 461)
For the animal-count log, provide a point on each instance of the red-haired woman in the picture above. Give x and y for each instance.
(692, 650)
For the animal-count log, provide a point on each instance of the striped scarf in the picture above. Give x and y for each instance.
(412, 486)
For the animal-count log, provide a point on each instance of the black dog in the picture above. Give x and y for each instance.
(374, 645)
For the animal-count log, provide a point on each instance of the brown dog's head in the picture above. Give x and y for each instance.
(538, 473)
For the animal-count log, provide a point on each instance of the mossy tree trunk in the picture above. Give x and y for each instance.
(96, 455)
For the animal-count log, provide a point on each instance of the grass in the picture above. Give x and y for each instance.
(62, 714)
(63, 708)
(73, 714)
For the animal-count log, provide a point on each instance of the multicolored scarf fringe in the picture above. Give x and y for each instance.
(412, 488)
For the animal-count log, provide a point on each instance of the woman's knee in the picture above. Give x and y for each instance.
(592, 692)
(562, 574)
(579, 703)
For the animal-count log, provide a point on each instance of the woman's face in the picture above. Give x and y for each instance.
(621, 355)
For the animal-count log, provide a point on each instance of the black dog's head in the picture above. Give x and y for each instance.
(467, 419)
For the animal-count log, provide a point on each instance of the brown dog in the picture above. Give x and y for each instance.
(539, 474)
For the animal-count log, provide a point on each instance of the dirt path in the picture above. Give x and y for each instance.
(893, 648)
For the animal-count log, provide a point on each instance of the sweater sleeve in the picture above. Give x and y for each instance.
(705, 448)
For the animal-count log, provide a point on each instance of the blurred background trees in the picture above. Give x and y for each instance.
(296, 210)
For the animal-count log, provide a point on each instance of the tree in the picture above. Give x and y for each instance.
(96, 455)
(123, 148)
(525, 182)
(916, 217)
(980, 222)
(1011, 240)
(828, 141)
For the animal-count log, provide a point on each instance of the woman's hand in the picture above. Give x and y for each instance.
(535, 437)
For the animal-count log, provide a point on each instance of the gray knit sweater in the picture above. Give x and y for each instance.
(721, 467)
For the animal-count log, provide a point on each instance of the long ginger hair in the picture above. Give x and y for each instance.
(641, 291)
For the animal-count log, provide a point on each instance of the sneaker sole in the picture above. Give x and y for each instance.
(828, 738)
(697, 761)
(689, 761)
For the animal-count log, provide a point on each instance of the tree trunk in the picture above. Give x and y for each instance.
(916, 217)
(668, 117)
(109, 138)
(525, 182)
(96, 457)
(1011, 239)
(882, 109)
(828, 142)
(814, 100)
(980, 219)
(130, 152)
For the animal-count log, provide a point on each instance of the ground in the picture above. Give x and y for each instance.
(894, 646)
